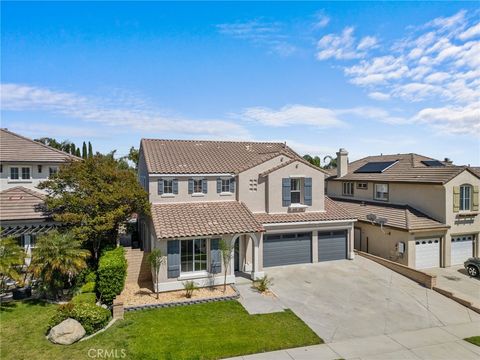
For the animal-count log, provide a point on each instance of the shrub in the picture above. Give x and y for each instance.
(91, 316)
(263, 284)
(88, 297)
(88, 287)
(112, 271)
(189, 287)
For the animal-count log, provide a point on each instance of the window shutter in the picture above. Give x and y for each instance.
(204, 186)
(160, 186)
(175, 186)
(475, 199)
(286, 197)
(190, 186)
(456, 198)
(219, 185)
(232, 185)
(307, 191)
(173, 258)
(215, 256)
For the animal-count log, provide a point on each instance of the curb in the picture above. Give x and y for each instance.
(185, 303)
(457, 299)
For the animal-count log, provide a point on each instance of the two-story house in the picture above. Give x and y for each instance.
(412, 209)
(25, 163)
(262, 198)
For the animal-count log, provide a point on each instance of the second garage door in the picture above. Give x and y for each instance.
(332, 245)
(462, 249)
(427, 253)
(287, 249)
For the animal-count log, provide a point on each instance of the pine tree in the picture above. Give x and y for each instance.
(84, 150)
(72, 149)
(90, 150)
(77, 152)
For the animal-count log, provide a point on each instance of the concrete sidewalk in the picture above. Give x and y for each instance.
(257, 303)
(434, 343)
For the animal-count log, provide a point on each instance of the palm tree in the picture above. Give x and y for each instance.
(156, 259)
(57, 259)
(12, 257)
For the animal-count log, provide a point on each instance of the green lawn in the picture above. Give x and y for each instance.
(475, 340)
(205, 331)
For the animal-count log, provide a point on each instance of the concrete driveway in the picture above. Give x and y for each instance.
(456, 280)
(359, 298)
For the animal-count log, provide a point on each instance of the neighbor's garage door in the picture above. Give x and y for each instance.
(462, 249)
(287, 249)
(427, 253)
(332, 245)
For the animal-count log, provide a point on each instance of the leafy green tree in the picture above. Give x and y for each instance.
(226, 250)
(312, 160)
(133, 156)
(84, 150)
(90, 149)
(56, 259)
(156, 259)
(12, 256)
(95, 196)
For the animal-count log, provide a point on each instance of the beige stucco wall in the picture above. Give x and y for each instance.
(36, 177)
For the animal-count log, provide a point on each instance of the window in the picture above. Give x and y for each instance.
(465, 197)
(39, 167)
(52, 170)
(14, 173)
(25, 173)
(381, 192)
(295, 191)
(193, 255)
(167, 186)
(347, 188)
(225, 185)
(363, 186)
(1, 168)
(197, 186)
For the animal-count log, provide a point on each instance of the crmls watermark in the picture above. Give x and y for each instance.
(107, 353)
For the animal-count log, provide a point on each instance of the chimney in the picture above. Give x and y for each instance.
(342, 162)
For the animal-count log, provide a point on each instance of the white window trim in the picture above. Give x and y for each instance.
(299, 191)
(19, 180)
(375, 192)
(352, 188)
(470, 198)
(229, 185)
(198, 194)
(198, 273)
(167, 194)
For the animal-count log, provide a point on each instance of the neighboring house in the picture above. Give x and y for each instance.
(262, 197)
(24, 163)
(412, 209)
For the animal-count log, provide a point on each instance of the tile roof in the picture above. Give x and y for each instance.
(208, 157)
(16, 148)
(475, 170)
(402, 217)
(333, 211)
(203, 219)
(20, 203)
(409, 168)
(288, 162)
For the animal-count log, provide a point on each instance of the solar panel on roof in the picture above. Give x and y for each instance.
(432, 163)
(375, 167)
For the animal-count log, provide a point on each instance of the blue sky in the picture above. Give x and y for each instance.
(371, 77)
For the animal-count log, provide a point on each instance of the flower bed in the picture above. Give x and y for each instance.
(136, 297)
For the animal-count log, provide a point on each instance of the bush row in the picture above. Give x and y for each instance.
(111, 274)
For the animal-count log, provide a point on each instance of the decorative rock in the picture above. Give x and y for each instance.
(67, 332)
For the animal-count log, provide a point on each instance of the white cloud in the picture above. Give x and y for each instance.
(292, 115)
(321, 20)
(367, 42)
(376, 95)
(343, 46)
(109, 112)
(470, 32)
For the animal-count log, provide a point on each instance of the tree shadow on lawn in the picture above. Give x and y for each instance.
(12, 305)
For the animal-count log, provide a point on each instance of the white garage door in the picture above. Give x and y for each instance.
(427, 253)
(462, 249)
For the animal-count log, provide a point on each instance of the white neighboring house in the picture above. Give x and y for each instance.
(25, 163)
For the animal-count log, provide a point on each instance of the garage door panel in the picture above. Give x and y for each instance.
(287, 249)
(332, 245)
(461, 249)
(427, 253)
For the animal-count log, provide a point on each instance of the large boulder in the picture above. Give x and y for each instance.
(67, 332)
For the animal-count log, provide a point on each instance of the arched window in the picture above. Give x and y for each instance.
(465, 197)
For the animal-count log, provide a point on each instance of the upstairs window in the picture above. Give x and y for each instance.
(225, 185)
(168, 186)
(14, 174)
(39, 168)
(295, 191)
(347, 188)
(52, 170)
(381, 192)
(197, 186)
(465, 197)
(25, 173)
(363, 186)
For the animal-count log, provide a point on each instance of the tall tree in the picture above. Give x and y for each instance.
(12, 257)
(312, 160)
(77, 152)
(133, 156)
(72, 149)
(226, 251)
(95, 197)
(90, 150)
(57, 259)
(331, 164)
(156, 259)
(84, 150)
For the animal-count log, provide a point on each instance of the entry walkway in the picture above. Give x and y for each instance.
(440, 343)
